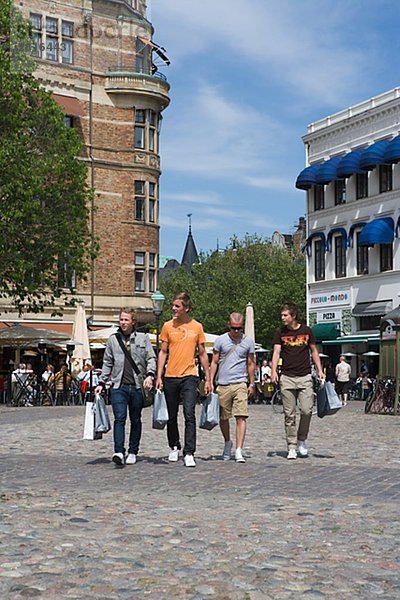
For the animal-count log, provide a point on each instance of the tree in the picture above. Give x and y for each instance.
(44, 196)
(256, 272)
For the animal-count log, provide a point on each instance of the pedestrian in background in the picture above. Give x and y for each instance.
(233, 355)
(181, 338)
(343, 374)
(294, 342)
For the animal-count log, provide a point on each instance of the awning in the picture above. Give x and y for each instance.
(350, 164)
(326, 331)
(378, 231)
(351, 232)
(319, 235)
(332, 232)
(328, 171)
(372, 309)
(392, 152)
(367, 338)
(307, 177)
(70, 105)
(374, 155)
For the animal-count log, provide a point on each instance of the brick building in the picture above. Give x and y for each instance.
(98, 59)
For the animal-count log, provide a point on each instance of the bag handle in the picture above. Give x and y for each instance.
(127, 354)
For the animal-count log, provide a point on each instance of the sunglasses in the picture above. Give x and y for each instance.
(236, 328)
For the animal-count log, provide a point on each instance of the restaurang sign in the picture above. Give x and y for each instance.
(330, 299)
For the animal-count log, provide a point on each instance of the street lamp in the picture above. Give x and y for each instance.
(42, 345)
(70, 350)
(157, 300)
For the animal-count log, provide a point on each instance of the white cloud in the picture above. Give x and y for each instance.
(271, 183)
(191, 198)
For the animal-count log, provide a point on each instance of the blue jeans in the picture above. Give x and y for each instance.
(124, 398)
(181, 389)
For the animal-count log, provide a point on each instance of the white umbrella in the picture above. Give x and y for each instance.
(101, 336)
(80, 334)
(370, 353)
(349, 354)
(249, 323)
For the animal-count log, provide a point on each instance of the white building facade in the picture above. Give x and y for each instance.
(353, 214)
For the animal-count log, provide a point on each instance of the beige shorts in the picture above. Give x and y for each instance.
(233, 400)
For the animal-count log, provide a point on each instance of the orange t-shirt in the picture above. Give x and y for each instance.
(183, 340)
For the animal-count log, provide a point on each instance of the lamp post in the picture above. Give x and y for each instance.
(42, 345)
(158, 305)
(70, 350)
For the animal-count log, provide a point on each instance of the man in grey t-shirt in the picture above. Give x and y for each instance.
(234, 355)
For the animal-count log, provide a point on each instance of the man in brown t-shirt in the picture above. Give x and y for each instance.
(293, 343)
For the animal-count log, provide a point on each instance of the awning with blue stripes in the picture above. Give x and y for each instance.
(350, 164)
(374, 155)
(378, 231)
(307, 177)
(332, 232)
(392, 152)
(328, 171)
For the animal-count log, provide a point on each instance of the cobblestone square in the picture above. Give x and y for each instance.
(73, 526)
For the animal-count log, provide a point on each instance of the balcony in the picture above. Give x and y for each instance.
(125, 80)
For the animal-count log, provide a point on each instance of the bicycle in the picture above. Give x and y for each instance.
(277, 405)
(381, 398)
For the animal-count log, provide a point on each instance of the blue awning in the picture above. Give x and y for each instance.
(379, 231)
(392, 152)
(374, 155)
(307, 177)
(328, 171)
(319, 235)
(350, 164)
(342, 232)
(351, 232)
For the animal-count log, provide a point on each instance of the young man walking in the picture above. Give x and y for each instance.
(294, 342)
(128, 377)
(181, 338)
(234, 355)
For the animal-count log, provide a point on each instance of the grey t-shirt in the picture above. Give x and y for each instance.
(234, 366)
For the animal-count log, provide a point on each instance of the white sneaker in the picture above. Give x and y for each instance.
(226, 455)
(188, 459)
(130, 459)
(292, 454)
(173, 455)
(239, 456)
(302, 448)
(118, 459)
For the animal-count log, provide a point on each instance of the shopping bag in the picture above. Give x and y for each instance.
(328, 402)
(209, 416)
(89, 430)
(101, 419)
(160, 411)
(148, 397)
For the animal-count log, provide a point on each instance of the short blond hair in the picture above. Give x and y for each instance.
(129, 311)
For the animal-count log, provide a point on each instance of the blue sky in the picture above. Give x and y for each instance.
(247, 77)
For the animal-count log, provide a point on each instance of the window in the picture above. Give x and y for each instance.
(385, 178)
(319, 193)
(386, 257)
(152, 189)
(139, 259)
(139, 200)
(152, 280)
(66, 275)
(340, 257)
(139, 280)
(69, 121)
(368, 323)
(362, 257)
(361, 185)
(152, 210)
(146, 130)
(319, 260)
(340, 191)
(54, 41)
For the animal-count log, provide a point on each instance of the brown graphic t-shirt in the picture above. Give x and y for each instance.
(295, 350)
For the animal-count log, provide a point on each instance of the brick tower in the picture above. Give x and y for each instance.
(98, 59)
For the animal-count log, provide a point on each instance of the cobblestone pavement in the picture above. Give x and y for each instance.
(74, 526)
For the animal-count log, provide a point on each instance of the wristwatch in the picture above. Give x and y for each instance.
(252, 385)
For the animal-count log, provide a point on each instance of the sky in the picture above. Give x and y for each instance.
(247, 77)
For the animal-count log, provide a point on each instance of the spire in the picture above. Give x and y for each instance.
(190, 253)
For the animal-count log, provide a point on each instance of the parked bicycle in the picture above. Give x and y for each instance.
(381, 398)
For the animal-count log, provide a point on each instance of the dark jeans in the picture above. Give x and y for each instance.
(124, 398)
(181, 389)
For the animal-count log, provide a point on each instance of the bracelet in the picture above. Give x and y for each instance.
(252, 385)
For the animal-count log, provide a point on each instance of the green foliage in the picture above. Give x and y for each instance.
(255, 272)
(43, 190)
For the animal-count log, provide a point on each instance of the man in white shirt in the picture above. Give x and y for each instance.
(343, 374)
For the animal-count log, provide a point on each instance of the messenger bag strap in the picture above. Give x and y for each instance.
(127, 354)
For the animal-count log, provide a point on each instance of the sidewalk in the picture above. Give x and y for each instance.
(75, 527)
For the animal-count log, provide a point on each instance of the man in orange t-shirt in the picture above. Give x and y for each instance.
(180, 338)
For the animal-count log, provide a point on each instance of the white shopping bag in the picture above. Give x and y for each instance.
(89, 432)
